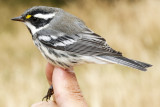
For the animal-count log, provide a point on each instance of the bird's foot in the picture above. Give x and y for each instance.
(49, 94)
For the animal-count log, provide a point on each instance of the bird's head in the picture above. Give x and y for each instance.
(37, 18)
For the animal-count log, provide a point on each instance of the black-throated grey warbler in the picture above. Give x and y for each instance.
(64, 40)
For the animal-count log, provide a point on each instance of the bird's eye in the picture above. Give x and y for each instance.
(35, 19)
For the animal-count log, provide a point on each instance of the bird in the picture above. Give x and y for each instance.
(65, 40)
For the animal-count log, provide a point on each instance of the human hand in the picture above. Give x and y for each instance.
(66, 89)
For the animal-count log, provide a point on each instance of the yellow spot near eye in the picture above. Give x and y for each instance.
(28, 16)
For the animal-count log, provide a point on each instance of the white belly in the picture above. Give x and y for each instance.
(64, 59)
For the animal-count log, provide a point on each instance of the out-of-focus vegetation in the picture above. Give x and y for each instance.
(64, 2)
(129, 26)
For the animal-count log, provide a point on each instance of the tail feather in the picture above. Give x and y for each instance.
(126, 62)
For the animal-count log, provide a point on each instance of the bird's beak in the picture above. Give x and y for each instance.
(20, 18)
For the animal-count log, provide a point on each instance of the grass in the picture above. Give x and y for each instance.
(132, 28)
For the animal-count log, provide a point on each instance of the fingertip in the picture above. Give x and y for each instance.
(65, 75)
(49, 72)
(49, 67)
(66, 89)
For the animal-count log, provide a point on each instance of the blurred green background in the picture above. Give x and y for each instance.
(129, 26)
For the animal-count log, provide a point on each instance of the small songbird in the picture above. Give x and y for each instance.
(65, 41)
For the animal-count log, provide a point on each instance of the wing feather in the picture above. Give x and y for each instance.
(81, 44)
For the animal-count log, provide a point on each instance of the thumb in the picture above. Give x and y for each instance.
(66, 89)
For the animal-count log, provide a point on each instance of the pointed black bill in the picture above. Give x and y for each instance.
(20, 18)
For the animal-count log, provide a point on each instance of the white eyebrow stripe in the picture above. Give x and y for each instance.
(45, 16)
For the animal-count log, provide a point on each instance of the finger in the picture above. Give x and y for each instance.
(45, 104)
(49, 71)
(66, 89)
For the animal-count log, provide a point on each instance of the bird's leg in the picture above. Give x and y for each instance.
(49, 94)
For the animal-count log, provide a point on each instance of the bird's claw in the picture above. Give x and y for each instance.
(49, 94)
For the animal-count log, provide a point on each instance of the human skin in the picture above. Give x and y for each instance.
(67, 92)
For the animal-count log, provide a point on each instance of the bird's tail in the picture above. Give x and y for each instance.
(126, 62)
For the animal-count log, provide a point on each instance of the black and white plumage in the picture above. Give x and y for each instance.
(64, 40)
